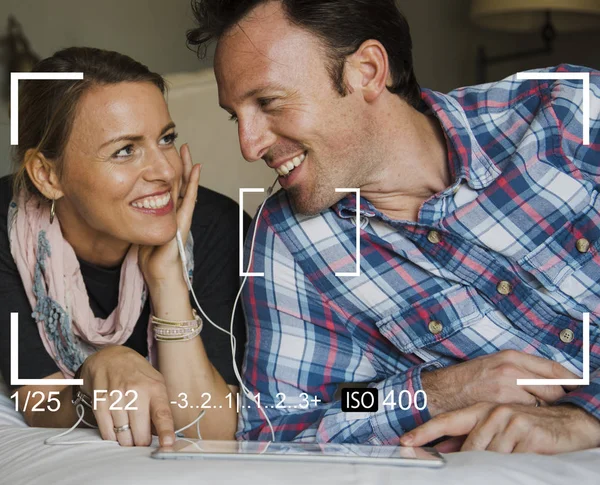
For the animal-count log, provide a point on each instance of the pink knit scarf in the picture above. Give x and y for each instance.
(56, 291)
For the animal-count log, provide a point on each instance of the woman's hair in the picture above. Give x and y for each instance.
(342, 25)
(47, 108)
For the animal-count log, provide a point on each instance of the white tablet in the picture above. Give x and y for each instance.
(313, 452)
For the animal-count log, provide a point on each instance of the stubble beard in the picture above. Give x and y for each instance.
(319, 196)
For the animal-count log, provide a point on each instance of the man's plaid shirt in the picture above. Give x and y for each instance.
(507, 257)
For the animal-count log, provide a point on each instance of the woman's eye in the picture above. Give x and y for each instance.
(233, 118)
(169, 139)
(124, 152)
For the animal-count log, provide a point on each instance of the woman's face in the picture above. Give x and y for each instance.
(122, 172)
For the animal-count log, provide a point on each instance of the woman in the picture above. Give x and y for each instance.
(89, 258)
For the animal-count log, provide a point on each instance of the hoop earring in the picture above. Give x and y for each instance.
(52, 211)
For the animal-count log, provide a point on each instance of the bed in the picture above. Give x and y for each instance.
(25, 459)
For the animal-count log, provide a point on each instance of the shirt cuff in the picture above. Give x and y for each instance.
(397, 415)
(586, 397)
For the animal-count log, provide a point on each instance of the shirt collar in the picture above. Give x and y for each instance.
(346, 208)
(466, 160)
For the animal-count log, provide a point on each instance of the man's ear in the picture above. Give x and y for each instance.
(368, 70)
(42, 173)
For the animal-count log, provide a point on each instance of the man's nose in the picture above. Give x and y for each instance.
(256, 138)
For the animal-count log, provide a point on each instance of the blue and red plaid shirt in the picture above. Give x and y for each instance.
(506, 267)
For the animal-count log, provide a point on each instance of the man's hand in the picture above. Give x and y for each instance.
(492, 378)
(511, 428)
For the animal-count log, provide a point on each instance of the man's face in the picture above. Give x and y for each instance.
(273, 79)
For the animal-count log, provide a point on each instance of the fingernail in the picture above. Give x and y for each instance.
(167, 441)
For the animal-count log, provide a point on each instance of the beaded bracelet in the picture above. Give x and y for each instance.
(175, 338)
(176, 330)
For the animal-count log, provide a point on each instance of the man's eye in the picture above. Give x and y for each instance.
(169, 139)
(124, 152)
(264, 102)
(233, 118)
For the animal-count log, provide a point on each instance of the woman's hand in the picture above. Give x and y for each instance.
(162, 263)
(122, 369)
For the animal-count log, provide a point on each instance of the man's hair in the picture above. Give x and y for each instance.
(342, 25)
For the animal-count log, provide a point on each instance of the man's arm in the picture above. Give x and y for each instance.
(298, 343)
(300, 347)
(570, 423)
(296, 417)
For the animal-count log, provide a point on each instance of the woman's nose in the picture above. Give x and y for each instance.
(161, 165)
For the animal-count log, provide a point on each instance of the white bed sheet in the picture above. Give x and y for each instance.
(8, 415)
(24, 459)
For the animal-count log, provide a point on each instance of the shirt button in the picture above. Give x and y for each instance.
(504, 288)
(566, 336)
(434, 237)
(435, 327)
(582, 245)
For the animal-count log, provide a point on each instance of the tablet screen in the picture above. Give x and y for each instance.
(395, 455)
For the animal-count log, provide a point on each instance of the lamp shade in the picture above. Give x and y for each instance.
(530, 15)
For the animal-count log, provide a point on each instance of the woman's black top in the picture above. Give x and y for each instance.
(215, 229)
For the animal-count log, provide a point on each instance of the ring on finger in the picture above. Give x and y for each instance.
(119, 429)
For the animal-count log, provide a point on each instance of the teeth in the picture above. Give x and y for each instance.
(153, 202)
(290, 165)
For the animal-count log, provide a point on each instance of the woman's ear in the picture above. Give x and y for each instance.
(371, 70)
(42, 173)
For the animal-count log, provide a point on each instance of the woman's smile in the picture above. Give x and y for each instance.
(155, 204)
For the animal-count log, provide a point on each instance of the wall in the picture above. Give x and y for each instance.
(579, 48)
(445, 43)
(443, 49)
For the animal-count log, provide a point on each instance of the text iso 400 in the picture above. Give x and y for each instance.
(367, 400)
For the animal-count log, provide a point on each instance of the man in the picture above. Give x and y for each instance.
(479, 229)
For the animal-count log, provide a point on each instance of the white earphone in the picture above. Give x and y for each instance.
(183, 258)
(181, 248)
